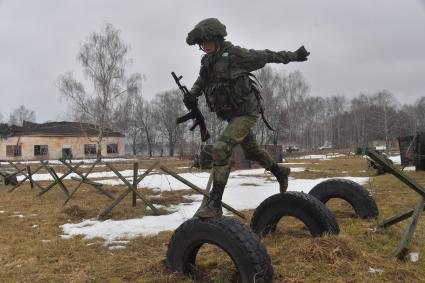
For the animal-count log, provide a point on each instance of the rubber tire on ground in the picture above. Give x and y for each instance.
(235, 238)
(357, 196)
(10, 180)
(313, 213)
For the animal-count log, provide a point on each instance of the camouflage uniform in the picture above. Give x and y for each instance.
(231, 92)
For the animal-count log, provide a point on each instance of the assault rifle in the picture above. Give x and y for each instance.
(194, 112)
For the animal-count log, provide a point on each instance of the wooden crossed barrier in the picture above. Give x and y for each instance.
(414, 213)
(84, 178)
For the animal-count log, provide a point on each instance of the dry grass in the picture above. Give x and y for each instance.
(38, 254)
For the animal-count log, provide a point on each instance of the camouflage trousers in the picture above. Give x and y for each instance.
(238, 131)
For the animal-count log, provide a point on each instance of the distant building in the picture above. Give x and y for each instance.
(55, 140)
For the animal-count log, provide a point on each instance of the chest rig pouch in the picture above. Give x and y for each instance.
(225, 94)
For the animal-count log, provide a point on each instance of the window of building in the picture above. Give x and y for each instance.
(13, 150)
(89, 149)
(41, 150)
(112, 148)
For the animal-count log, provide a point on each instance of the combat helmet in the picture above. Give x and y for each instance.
(208, 29)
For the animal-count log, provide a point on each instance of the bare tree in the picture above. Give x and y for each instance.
(167, 106)
(126, 118)
(21, 114)
(293, 90)
(103, 57)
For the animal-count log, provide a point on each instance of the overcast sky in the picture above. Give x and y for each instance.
(358, 46)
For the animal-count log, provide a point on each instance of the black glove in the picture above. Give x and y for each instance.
(302, 54)
(190, 100)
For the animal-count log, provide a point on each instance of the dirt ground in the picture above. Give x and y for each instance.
(31, 249)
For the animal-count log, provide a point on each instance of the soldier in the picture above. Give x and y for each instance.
(232, 93)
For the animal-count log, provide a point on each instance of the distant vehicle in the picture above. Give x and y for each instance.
(326, 145)
(292, 148)
(323, 147)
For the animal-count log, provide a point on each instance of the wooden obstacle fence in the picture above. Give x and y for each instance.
(83, 177)
(414, 213)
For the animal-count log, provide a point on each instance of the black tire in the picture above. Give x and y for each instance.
(235, 238)
(314, 214)
(11, 180)
(358, 197)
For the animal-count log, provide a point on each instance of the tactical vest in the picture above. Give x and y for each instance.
(229, 94)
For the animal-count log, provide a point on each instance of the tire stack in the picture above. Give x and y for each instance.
(243, 245)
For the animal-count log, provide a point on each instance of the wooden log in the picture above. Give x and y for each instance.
(199, 190)
(397, 173)
(401, 250)
(60, 178)
(83, 177)
(135, 174)
(129, 189)
(30, 176)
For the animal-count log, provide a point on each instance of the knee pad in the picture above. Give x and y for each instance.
(221, 153)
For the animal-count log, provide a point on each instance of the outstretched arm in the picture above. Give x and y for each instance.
(251, 60)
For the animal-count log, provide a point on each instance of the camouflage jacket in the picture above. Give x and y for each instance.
(226, 80)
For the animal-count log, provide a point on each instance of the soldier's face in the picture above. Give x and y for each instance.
(208, 46)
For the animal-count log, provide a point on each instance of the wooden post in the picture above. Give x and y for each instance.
(417, 211)
(22, 171)
(208, 188)
(30, 176)
(43, 191)
(135, 173)
(401, 250)
(129, 189)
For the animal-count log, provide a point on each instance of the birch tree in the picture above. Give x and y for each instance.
(103, 58)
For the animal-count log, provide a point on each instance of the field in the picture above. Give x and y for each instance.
(33, 250)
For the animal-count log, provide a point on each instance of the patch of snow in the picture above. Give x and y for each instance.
(17, 215)
(2, 211)
(410, 168)
(192, 197)
(34, 226)
(396, 159)
(66, 237)
(119, 242)
(414, 257)
(94, 175)
(321, 156)
(375, 270)
(184, 167)
(32, 215)
(237, 195)
(57, 162)
(116, 247)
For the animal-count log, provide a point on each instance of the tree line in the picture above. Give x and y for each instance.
(298, 118)
(115, 101)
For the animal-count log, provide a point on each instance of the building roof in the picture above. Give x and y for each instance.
(4, 130)
(55, 129)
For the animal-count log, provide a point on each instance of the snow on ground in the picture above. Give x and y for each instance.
(410, 168)
(396, 159)
(94, 175)
(57, 162)
(321, 156)
(162, 182)
(244, 191)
